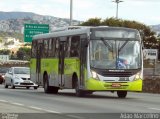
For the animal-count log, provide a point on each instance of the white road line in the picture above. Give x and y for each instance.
(3, 101)
(37, 108)
(154, 108)
(45, 110)
(19, 104)
(33, 107)
(74, 116)
(51, 111)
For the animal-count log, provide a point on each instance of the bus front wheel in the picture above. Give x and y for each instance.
(122, 94)
(79, 92)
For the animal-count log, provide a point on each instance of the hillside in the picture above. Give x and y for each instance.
(14, 21)
(15, 15)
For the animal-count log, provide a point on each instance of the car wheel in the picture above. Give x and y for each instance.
(35, 88)
(12, 86)
(5, 85)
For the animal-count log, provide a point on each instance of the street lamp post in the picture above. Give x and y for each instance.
(71, 5)
(117, 2)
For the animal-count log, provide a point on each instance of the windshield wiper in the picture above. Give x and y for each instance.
(119, 49)
(107, 44)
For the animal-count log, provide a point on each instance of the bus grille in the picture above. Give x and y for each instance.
(117, 74)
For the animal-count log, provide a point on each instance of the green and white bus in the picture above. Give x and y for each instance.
(88, 59)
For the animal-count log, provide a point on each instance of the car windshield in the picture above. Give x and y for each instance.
(115, 54)
(3, 69)
(21, 70)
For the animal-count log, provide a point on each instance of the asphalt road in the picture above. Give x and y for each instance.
(28, 104)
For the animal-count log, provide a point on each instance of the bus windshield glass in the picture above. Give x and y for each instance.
(115, 54)
(116, 33)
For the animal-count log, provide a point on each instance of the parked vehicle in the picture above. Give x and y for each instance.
(19, 77)
(3, 70)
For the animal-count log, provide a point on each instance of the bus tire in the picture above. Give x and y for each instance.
(89, 92)
(46, 84)
(54, 90)
(79, 92)
(122, 94)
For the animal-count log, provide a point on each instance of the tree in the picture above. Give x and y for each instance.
(5, 52)
(23, 53)
(92, 22)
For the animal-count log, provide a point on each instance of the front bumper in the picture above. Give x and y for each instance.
(96, 85)
(25, 85)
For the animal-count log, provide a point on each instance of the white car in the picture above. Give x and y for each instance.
(19, 77)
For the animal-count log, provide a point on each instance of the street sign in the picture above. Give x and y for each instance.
(150, 54)
(33, 29)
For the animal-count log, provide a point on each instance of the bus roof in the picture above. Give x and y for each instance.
(62, 33)
(75, 30)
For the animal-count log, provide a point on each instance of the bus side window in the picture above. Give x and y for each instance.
(75, 45)
(34, 51)
(67, 46)
(51, 47)
(56, 41)
(45, 53)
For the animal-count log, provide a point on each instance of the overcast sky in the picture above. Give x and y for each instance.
(144, 11)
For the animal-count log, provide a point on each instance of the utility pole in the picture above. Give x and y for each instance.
(117, 2)
(71, 11)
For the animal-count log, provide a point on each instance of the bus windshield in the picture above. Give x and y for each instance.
(115, 54)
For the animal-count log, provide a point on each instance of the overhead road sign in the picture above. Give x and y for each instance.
(33, 29)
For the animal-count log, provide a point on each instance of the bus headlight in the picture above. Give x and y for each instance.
(94, 75)
(137, 76)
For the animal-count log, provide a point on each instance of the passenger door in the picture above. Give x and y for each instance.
(38, 63)
(62, 48)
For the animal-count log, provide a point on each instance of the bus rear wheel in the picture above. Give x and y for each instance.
(122, 94)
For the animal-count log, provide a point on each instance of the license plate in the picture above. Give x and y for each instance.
(26, 81)
(116, 85)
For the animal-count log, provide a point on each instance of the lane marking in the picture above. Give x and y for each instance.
(154, 108)
(45, 110)
(75, 116)
(33, 107)
(3, 101)
(37, 108)
(51, 111)
(19, 104)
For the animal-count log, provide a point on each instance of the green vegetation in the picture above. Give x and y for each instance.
(23, 53)
(5, 52)
(11, 34)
